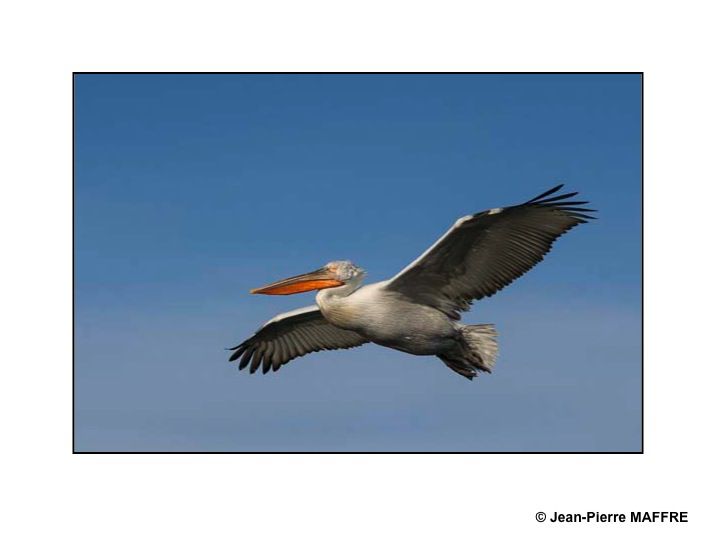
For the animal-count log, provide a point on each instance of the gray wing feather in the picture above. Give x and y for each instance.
(487, 251)
(289, 336)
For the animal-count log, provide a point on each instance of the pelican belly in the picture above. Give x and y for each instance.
(388, 319)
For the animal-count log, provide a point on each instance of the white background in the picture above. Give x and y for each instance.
(48, 492)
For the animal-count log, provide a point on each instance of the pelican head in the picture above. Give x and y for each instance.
(333, 274)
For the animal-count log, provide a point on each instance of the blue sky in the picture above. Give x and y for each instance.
(192, 189)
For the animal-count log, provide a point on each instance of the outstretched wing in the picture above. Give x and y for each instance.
(484, 252)
(291, 335)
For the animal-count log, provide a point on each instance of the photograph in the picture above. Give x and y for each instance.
(340, 271)
(465, 252)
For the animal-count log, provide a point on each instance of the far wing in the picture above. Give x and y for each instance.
(485, 252)
(291, 335)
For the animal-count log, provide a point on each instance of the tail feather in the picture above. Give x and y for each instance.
(477, 351)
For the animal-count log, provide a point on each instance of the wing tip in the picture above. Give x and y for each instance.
(575, 209)
(545, 194)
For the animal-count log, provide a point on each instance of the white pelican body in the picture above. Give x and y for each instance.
(418, 311)
(373, 311)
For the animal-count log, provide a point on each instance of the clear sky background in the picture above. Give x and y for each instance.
(192, 189)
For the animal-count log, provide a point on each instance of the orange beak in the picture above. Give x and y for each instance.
(312, 281)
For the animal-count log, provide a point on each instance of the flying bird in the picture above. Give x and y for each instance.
(418, 310)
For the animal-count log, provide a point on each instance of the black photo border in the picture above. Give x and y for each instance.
(642, 250)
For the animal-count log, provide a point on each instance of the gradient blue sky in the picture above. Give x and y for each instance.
(192, 189)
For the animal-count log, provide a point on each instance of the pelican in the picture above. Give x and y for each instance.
(418, 311)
